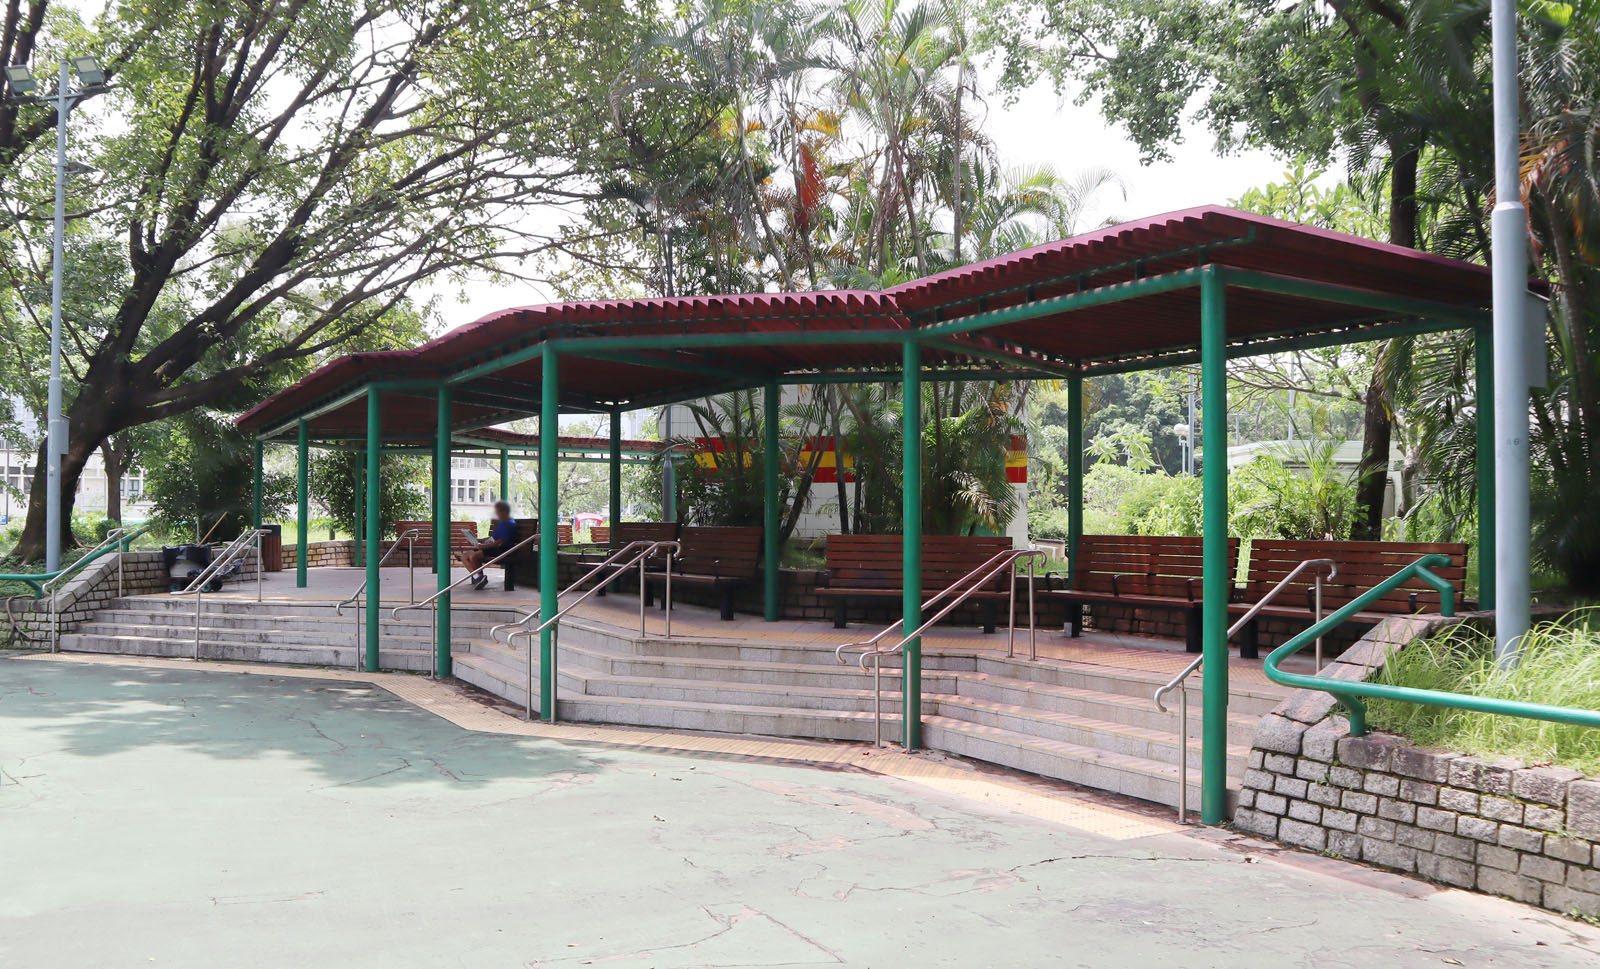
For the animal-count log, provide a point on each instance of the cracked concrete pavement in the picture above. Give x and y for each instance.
(181, 818)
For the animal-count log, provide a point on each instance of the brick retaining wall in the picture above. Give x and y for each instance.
(1531, 833)
(322, 555)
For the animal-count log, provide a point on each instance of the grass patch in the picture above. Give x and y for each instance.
(1560, 666)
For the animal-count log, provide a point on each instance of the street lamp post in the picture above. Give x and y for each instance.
(92, 78)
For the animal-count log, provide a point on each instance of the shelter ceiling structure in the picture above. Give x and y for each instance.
(1117, 299)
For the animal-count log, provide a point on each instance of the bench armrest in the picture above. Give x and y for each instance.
(1054, 574)
(1188, 587)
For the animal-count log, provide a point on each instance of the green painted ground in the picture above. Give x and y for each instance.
(189, 819)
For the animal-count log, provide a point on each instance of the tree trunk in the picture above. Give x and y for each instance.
(1372, 473)
(113, 458)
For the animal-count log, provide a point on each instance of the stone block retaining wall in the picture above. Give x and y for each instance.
(321, 555)
(1531, 833)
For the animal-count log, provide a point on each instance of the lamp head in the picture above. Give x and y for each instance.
(88, 70)
(21, 79)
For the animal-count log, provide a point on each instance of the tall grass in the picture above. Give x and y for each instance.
(1560, 665)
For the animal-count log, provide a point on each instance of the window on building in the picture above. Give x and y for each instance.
(469, 491)
(132, 486)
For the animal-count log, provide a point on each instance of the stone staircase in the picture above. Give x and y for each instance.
(1088, 724)
(1084, 723)
(305, 633)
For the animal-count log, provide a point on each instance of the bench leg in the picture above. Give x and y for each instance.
(727, 603)
(989, 621)
(649, 594)
(1075, 613)
(1192, 630)
(1249, 641)
(839, 614)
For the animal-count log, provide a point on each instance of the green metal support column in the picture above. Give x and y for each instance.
(614, 466)
(1074, 476)
(441, 530)
(255, 487)
(1483, 360)
(549, 508)
(505, 475)
(911, 549)
(372, 526)
(1214, 611)
(769, 500)
(303, 503)
(361, 513)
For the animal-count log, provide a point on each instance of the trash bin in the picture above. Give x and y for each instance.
(272, 549)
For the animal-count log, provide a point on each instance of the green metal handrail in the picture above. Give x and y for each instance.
(1349, 692)
(38, 580)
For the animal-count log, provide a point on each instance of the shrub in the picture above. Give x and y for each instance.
(1559, 664)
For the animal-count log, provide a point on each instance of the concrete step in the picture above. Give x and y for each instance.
(341, 656)
(1134, 711)
(1089, 766)
(330, 635)
(1159, 745)
(1250, 699)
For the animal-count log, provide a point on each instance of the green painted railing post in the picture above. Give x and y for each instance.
(614, 466)
(1074, 478)
(1217, 581)
(255, 486)
(441, 531)
(911, 548)
(372, 525)
(505, 475)
(549, 508)
(1483, 365)
(302, 502)
(769, 500)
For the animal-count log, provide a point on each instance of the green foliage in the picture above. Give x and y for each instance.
(1559, 665)
(206, 473)
(335, 477)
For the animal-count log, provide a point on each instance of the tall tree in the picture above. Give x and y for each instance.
(280, 175)
(1372, 78)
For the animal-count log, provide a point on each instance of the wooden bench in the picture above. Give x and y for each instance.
(424, 543)
(723, 558)
(615, 537)
(1142, 572)
(871, 567)
(624, 532)
(1361, 565)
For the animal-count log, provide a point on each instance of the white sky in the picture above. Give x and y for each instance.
(1039, 129)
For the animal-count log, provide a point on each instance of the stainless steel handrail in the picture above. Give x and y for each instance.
(973, 581)
(197, 585)
(114, 536)
(609, 562)
(409, 536)
(650, 550)
(395, 612)
(1179, 682)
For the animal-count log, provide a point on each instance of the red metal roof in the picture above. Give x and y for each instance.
(1138, 331)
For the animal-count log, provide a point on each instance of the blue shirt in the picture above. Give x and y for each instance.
(504, 532)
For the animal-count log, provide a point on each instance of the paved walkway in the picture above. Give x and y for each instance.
(160, 813)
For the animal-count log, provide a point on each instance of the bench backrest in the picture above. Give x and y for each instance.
(624, 532)
(425, 532)
(1362, 565)
(1153, 565)
(599, 534)
(875, 561)
(726, 552)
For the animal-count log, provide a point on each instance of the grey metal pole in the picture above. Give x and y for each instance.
(1509, 225)
(54, 428)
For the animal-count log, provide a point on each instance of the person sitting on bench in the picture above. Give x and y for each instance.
(502, 535)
